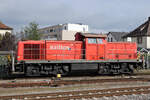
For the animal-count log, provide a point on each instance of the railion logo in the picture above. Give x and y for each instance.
(59, 47)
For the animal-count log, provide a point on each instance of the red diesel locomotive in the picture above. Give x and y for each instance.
(53, 57)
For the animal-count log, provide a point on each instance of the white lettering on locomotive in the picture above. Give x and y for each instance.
(59, 47)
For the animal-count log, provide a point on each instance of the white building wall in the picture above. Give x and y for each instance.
(77, 27)
(2, 32)
(64, 31)
(148, 42)
(68, 35)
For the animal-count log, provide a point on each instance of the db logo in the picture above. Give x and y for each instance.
(59, 47)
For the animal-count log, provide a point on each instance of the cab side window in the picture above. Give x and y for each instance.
(92, 40)
(100, 41)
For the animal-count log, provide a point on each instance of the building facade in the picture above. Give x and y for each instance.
(4, 29)
(115, 36)
(62, 31)
(141, 35)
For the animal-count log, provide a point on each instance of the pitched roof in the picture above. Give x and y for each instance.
(118, 35)
(3, 26)
(142, 30)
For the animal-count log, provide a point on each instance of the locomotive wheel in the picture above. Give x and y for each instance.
(131, 69)
(62, 69)
(103, 69)
(66, 69)
(32, 71)
(125, 69)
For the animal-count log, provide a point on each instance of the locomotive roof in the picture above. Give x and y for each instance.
(92, 35)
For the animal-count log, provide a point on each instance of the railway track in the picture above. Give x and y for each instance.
(82, 94)
(69, 82)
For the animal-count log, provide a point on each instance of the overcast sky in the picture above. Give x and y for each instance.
(100, 15)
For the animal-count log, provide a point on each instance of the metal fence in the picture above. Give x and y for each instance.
(67, 53)
(146, 60)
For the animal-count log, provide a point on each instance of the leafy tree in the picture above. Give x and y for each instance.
(8, 42)
(31, 32)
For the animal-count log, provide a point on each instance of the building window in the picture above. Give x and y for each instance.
(129, 39)
(43, 31)
(111, 39)
(48, 37)
(51, 30)
(59, 29)
(65, 27)
(139, 40)
(47, 31)
(108, 39)
(83, 29)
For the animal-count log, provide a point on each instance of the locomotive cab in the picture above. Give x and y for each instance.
(93, 45)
